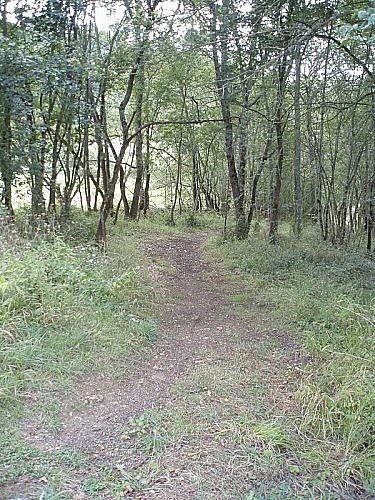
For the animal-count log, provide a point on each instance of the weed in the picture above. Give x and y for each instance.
(272, 434)
(20, 458)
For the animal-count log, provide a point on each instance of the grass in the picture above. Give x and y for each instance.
(326, 296)
(220, 438)
(157, 222)
(62, 310)
(32, 462)
(163, 265)
(66, 310)
(211, 437)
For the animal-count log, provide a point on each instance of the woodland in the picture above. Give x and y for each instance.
(265, 106)
(219, 157)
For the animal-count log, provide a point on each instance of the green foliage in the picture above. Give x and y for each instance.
(273, 434)
(328, 294)
(64, 309)
(364, 21)
(159, 222)
(191, 220)
(339, 399)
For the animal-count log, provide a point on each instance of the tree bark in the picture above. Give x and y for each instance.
(222, 84)
(134, 209)
(147, 172)
(279, 129)
(297, 144)
(257, 175)
(6, 133)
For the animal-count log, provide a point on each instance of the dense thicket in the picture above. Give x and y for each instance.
(264, 107)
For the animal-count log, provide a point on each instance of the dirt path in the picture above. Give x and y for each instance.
(179, 427)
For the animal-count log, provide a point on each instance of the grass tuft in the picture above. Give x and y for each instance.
(66, 310)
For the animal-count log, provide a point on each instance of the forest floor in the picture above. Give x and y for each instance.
(200, 415)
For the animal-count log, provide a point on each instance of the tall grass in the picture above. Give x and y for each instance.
(328, 295)
(68, 309)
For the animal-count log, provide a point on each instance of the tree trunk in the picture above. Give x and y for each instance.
(275, 195)
(279, 129)
(222, 84)
(6, 133)
(57, 141)
(297, 145)
(370, 222)
(178, 181)
(86, 154)
(257, 174)
(5, 155)
(107, 202)
(147, 173)
(320, 152)
(195, 181)
(135, 204)
(37, 178)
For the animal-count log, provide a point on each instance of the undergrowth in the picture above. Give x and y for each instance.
(327, 294)
(158, 221)
(66, 309)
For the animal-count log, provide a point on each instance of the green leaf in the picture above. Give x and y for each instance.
(346, 29)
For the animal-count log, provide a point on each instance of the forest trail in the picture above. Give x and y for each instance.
(176, 427)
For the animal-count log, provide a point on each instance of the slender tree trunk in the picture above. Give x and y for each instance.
(222, 83)
(257, 175)
(276, 190)
(195, 180)
(279, 129)
(134, 209)
(5, 157)
(147, 174)
(320, 152)
(6, 132)
(57, 141)
(37, 167)
(178, 180)
(370, 222)
(86, 154)
(66, 201)
(124, 198)
(297, 144)
(370, 219)
(107, 203)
